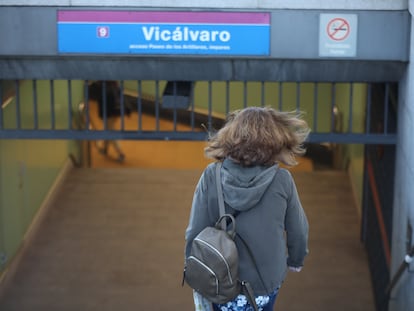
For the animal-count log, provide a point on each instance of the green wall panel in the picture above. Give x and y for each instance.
(28, 168)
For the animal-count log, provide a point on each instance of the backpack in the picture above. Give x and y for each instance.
(211, 269)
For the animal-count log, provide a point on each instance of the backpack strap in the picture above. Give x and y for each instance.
(253, 260)
(246, 287)
(220, 194)
(224, 222)
(247, 291)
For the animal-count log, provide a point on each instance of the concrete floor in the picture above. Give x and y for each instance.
(113, 241)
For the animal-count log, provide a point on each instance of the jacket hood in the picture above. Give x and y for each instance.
(243, 187)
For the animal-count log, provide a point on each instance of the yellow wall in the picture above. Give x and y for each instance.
(28, 168)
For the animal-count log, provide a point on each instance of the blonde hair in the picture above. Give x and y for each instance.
(260, 136)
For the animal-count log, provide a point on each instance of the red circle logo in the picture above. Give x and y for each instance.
(338, 29)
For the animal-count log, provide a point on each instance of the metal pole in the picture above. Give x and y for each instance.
(407, 260)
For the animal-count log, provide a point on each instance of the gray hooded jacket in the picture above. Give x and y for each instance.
(270, 219)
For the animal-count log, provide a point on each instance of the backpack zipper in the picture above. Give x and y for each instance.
(207, 268)
(220, 255)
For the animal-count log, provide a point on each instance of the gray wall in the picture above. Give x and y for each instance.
(402, 297)
(29, 50)
(33, 31)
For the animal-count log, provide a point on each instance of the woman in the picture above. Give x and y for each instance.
(262, 196)
(108, 96)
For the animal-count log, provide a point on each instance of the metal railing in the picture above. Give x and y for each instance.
(37, 108)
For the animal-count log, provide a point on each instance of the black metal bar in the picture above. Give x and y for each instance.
(386, 106)
(389, 139)
(35, 114)
(52, 105)
(1, 105)
(70, 105)
(227, 97)
(245, 94)
(403, 266)
(104, 105)
(297, 96)
(315, 106)
(353, 138)
(122, 103)
(280, 96)
(369, 103)
(17, 92)
(333, 94)
(105, 134)
(86, 103)
(192, 113)
(351, 100)
(139, 104)
(210, 107)
(262, 83)
(364, 203)
(157, 105)
(175, 106)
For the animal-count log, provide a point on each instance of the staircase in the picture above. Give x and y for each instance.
(114, 240)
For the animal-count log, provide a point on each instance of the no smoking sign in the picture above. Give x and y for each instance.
(337, 35)
(338, 29)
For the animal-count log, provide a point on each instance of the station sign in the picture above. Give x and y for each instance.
(161, 32)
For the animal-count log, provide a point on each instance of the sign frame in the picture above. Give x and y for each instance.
(163, 32)
(338, 35)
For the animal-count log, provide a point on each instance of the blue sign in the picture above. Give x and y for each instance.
(125, 32)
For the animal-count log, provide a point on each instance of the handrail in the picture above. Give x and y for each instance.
(407, 260)
(378, 211)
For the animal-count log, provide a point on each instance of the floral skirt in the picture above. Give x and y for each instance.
(240, 303)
